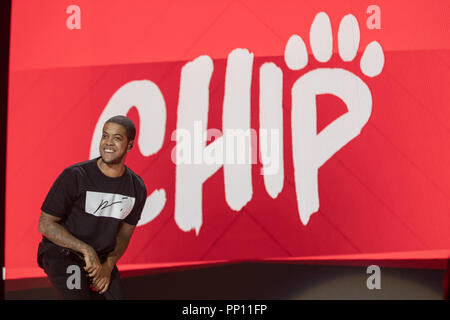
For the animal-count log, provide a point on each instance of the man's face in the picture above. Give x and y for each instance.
(114, 143)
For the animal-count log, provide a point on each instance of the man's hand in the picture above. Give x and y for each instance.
(102, 279)
(93, 265)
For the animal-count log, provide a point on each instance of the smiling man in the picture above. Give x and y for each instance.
(88, 217)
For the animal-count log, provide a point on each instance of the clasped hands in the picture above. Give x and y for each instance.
(99, 273)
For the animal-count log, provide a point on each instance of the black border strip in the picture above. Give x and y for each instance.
(5, 28)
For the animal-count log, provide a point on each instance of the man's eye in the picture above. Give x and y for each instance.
(117, 138)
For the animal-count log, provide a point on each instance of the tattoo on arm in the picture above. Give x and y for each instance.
(52, 230)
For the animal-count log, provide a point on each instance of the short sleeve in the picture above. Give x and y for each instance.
(135, 215)
(61, 195)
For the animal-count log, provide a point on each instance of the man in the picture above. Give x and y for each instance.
(88, 218)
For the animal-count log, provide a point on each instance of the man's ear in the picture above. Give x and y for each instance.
(130, 145)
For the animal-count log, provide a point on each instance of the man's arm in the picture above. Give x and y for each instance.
(101, 281)
(123, 238)
(52, 230)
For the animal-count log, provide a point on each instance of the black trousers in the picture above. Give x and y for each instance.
(65, 270)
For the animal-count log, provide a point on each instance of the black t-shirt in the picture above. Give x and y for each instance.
(92, 205)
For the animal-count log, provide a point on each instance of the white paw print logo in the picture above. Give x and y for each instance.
(312, 150)
(321, 41)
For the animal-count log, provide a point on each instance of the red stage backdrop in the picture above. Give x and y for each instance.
(342, 107)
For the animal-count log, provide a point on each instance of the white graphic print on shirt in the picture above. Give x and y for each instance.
(110, 205)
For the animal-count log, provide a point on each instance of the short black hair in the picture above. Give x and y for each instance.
(125, 122)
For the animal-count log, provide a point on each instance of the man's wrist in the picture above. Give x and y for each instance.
(85, 250)
(109, 263)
